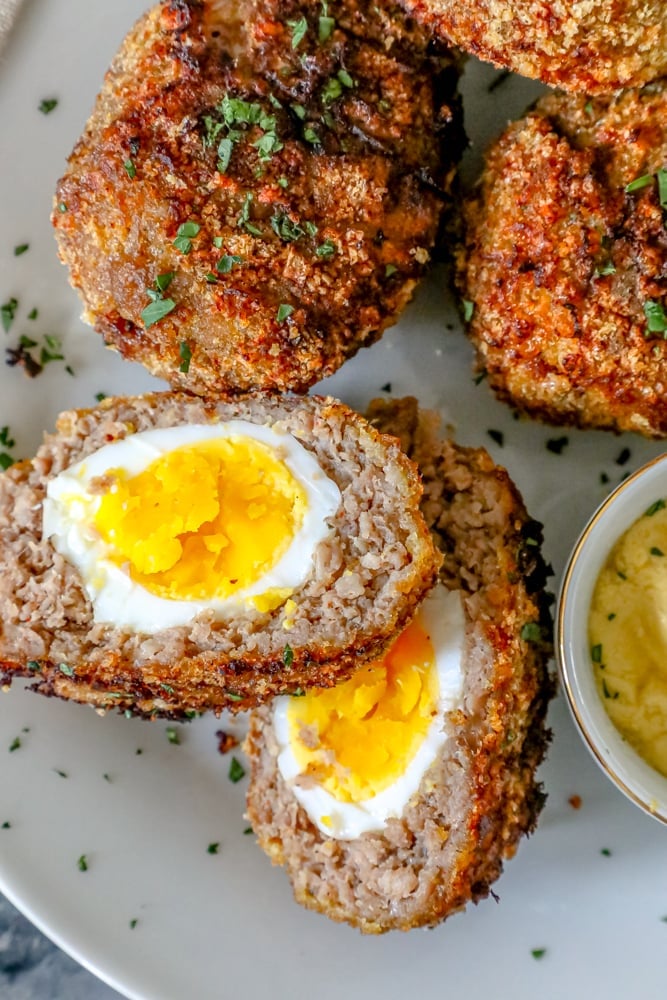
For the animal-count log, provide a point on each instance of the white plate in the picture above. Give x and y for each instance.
(224, 925)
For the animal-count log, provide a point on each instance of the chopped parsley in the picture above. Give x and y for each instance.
(606, 692)
(656, 318)
(282, 182)
(311, 136)
(21, 249)
(654, 508)
(82, 863)
(48, 104)
(133, 923)
(345, 78)
(61, 774)
(248, 830)
(66, 669)
(661, 177)
(596, 653)
(6, 825)
(173, 735)
(604, 269)
(213, 848)
(284, 310)
(130, 169)
(284, 227)
(611, 616)
(638, 183)
(623, 456)
(326, 249)
(237, 113)
(236, 770)
(605, 852)
(538, 953)
(185, 235)
(185, 353)
(15, 744)
(34, 665)
(8, 312)
(158, 307)
(33, 314)
(288, 655)
(531, 632)
(655, 551)
(244, 216)
(389, 270)
(325, 27)
(332, 90)
(497, 436)
(226, 263)
(298, 29)
(468, 310)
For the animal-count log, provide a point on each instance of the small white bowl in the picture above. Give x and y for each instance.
(637, 779)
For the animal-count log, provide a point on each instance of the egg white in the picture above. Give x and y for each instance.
(442, 618)
(69, 510)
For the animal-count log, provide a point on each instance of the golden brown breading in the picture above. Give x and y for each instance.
(592, 46)
(287, 169)
(476, 802)
(567, 269)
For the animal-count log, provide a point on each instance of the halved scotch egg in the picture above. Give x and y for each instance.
(166, 555)
(393, 799)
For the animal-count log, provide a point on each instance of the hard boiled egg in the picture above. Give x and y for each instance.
(167, 523)
(356, 754)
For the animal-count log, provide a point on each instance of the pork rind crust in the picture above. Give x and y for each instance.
(589, 46)
(336, 161)
(567, 268)
(366, 581)
(476, 802)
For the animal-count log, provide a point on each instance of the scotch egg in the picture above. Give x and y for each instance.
(170, 522)
(354, 755)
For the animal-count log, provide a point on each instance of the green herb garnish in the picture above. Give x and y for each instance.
(284, 227)
(531, 632)
(497, 436)
(66, 669)
(655, 551)
(236, 770)
(47, 105)
(15, 744)
(288, 655)
(213, 848)
(130, 169)
(21, 249)
(326, 249)
(299, 29)
(185, 354)
(468, 310)
(159, 307)
(556, 445)
(656, 318)
(185, 235)
(596, 653)
(284, 310)
(8, 312)
(654, 508)
(639, 182)
(538, 953)
(82, 863)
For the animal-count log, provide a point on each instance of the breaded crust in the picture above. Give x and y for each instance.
(475, 803)
(312, 203)
(567, 268)
(592, 46)
(366, 578)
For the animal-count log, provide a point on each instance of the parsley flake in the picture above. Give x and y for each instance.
(6, 825)
(15, 744)
(173, 735)
(82, 863)
(288, 655)
(158, 307)
(8, 312)
(655, 551)
(130, 169)
(21, 249)
(284, 310)
(538, 953)
(556, 445)
(497, 436)
(638, 183)
(236, 770)
(185, 355)
(133, 923)
(47, 105)
(226, 263)
(186, 233)
(244, 217)
(596, 653)
(66, 669)
(213, 848)
(531, 632)
(468, 310)
(326, 249)
(299, 29)
(654, 508)
(284, 227)
(656, 318)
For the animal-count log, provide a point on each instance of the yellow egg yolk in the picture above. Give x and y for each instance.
(628, 635)
(356, 739)
(203, 520)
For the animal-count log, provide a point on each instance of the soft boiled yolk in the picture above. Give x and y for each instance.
(628, 635)
(356, 739)
(204, 520)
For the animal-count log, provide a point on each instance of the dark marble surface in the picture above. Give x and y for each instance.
(32, 968)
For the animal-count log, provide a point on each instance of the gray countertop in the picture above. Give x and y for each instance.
(32, 968)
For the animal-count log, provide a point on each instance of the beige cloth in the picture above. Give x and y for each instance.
(8, 11)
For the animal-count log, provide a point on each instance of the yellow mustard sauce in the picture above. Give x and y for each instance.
(628, 635)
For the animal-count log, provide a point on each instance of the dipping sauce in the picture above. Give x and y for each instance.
(628, 635)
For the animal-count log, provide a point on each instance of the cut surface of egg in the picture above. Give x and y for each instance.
(355, 755)
(170, 522)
